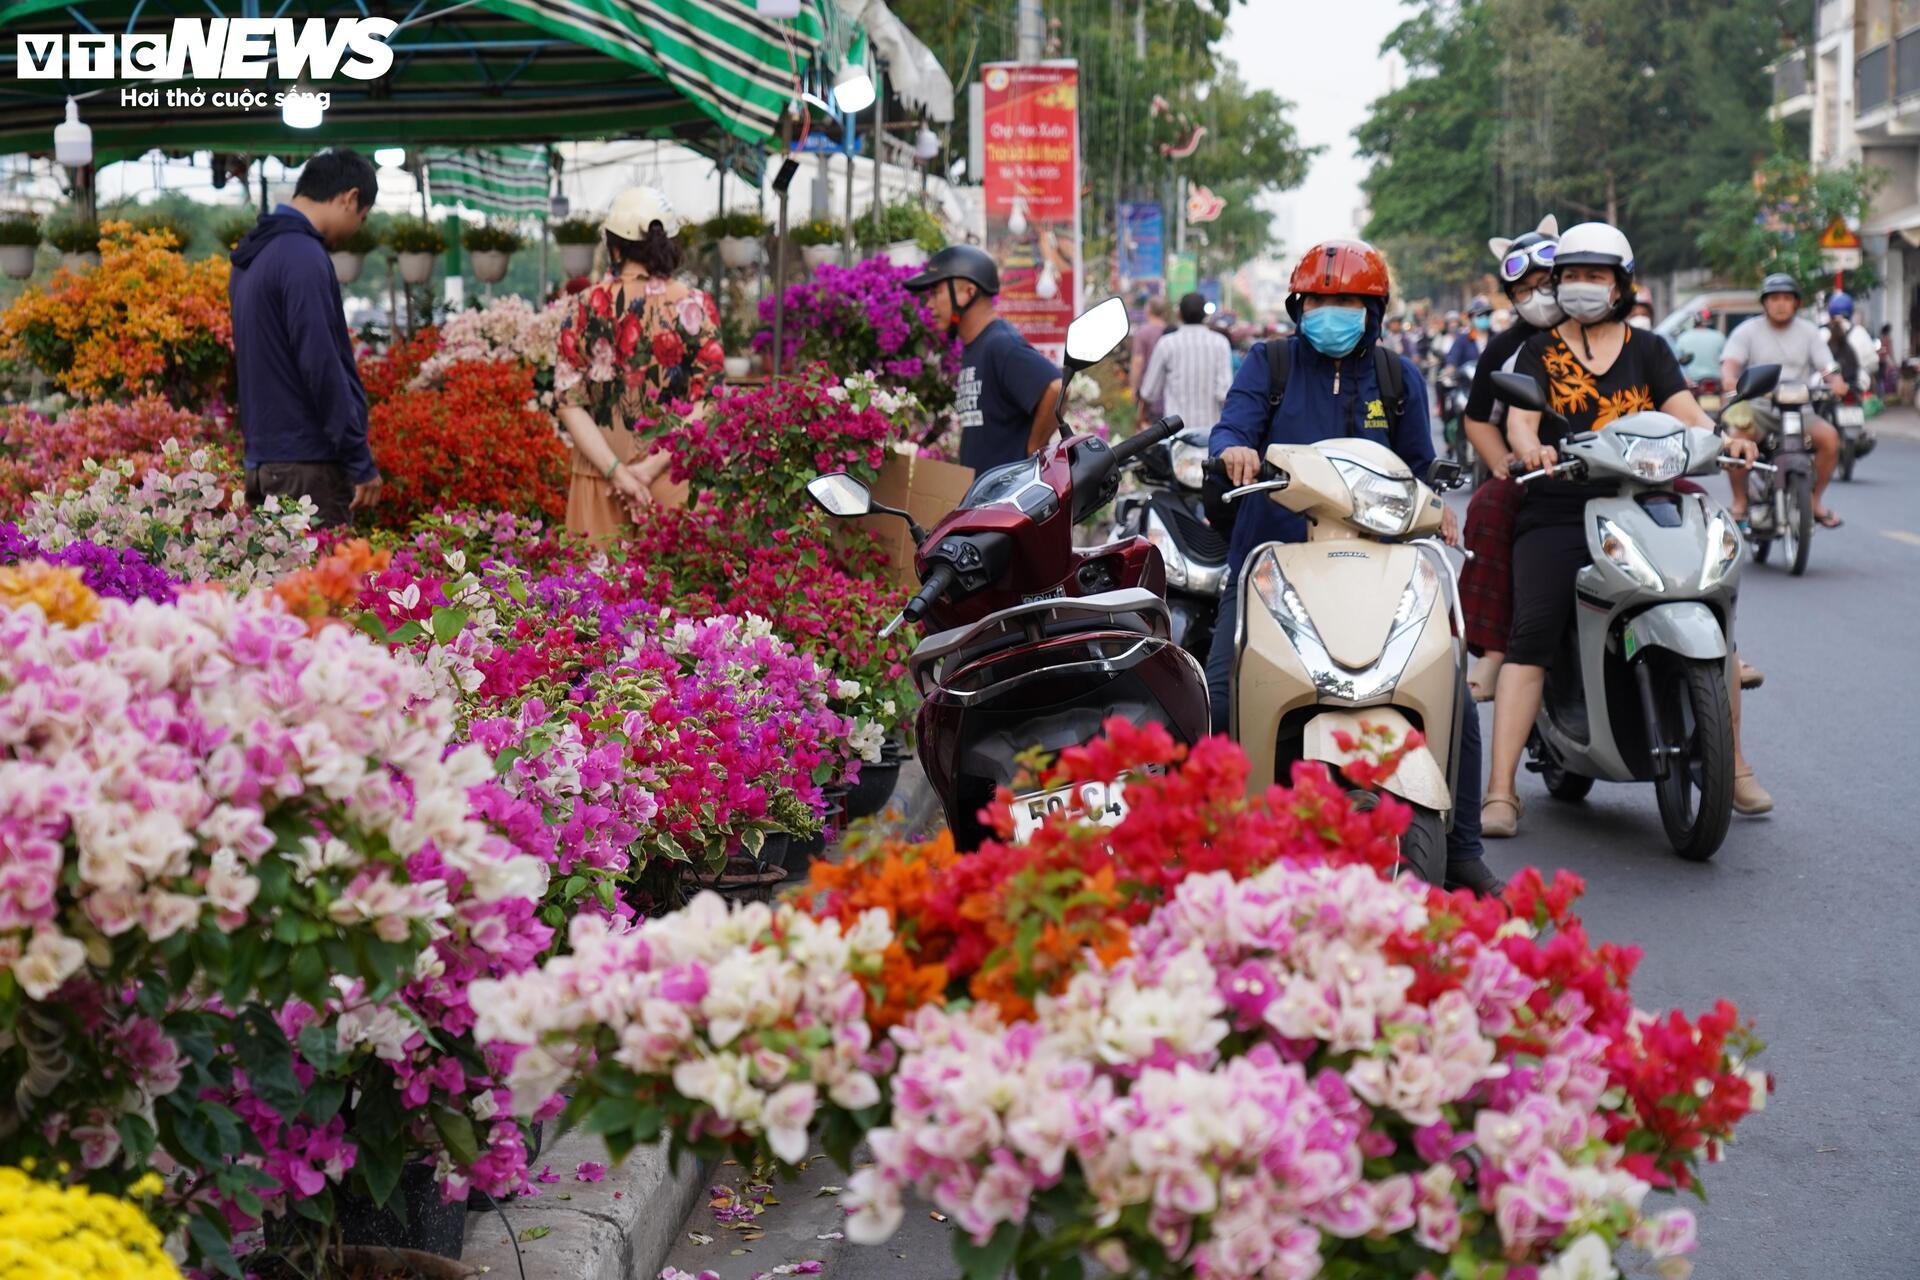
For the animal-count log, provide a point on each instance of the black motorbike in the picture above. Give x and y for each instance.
(1455, 384)
(1780, 487)
(1171, 512)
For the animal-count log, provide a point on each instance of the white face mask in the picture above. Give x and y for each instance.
(1640, 322)
(1541, 310)
(1587, 303)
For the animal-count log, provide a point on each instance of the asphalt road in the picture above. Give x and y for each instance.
(1806, 918)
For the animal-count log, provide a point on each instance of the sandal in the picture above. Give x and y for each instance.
(1828, 520)
(1500, 817)
(1750, 799)
(1751, 677)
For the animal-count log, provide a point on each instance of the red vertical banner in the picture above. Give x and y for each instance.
(1032, 182)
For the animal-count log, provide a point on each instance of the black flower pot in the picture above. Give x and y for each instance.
(773, 854)
(431, 1227)
(875, 787)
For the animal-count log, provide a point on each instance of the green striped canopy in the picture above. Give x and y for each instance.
(502, 182)
(701, 72)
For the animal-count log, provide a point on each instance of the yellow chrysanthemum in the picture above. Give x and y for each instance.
(59, 592)
(50, 1232)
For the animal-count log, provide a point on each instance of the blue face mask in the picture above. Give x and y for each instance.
(1483, 323)
(1334, 331)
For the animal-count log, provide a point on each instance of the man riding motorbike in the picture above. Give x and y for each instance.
(1336, 384)
(1595, 368)
(1472, 342)
(1781, 337)
(1854, 350)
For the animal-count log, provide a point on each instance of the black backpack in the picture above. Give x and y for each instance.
(1392, 376)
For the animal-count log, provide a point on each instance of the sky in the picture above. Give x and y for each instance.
(1324, 58)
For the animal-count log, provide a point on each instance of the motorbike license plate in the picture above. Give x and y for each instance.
(1105, 804)
(1850, 415)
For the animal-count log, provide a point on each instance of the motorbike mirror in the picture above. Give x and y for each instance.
(1094, 334)
(1519, 391)
(1759, 380)
(1444, 474)
(839, 494)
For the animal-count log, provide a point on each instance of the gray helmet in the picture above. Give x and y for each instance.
(958, 262)
(1779, 282)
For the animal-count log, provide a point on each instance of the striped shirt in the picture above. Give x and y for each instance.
(1192, 368)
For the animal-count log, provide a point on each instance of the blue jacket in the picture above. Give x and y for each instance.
(1312, 411)
(300, 394)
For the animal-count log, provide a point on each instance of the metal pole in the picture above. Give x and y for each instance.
(846, 234)
(264, 210)
(1032, 31)
(780, 291)
(879, 139)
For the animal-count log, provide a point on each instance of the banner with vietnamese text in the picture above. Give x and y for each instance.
(1032, 182)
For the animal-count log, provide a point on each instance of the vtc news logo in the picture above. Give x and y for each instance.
(216, 49)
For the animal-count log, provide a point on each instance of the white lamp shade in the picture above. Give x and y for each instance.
(73, 141)
(926, 143)
(302, 109)
(853, 89)
(779, 8)
(390, 157)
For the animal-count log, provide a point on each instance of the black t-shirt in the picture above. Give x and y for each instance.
(1506, 344)
(1002, 379)
(1643, 377)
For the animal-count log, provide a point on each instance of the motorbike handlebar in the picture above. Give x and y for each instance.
(1559, 468)
(1217, 470)
(1140, 441)
(937, 584)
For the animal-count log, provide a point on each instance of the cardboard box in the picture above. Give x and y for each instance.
(926, 490)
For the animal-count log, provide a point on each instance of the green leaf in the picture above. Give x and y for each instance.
(268, 1059)
(377, 1110)
(456, 1130)
(323, 1099)
(447, 623)
(407, 634)
(530, 1234)
(614, 1115)
(209, 1239)
(988, 1261)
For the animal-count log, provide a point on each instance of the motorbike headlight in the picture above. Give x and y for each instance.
(1655, 460)
(1723, 551)
(1380, 503)
(1625, 554)
(1282, 601)
(1416, 602)
(1158, 535)
(1189, 464)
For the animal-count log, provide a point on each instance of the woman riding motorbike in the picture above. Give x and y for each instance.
(1596, 369)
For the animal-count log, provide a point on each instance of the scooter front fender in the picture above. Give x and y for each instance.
(1685, 627)
(1419, 779)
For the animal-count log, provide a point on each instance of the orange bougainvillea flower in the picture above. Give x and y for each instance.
(332, 585)
(59, 592)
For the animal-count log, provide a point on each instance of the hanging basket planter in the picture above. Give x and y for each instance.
(821, 255)
(905, 253)
(576, 259)
(490, 265)
(737, 253)
(17, 260)
(347, 266)
(739, 367)
(417, 268)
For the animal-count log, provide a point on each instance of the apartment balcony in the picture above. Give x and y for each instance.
(1792, 87)
(1886, 90)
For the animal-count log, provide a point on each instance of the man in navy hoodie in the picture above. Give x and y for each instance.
(303, 412)
(1340, 381)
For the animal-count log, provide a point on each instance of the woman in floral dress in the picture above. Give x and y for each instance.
(639, 341)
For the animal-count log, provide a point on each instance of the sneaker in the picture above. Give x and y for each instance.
(1750, 799)
(1475, 875)
(1500, 817)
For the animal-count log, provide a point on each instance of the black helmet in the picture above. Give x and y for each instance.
(1479, 306)
(958, 262)
(1779, 282)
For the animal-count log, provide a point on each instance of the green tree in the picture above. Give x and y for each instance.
(1774, 222)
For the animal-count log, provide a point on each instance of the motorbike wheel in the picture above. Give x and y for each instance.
(1423, 849)
(1762, 548)
(1562, 785)
(1846, 457)
(1696, 796)
(1796, 531)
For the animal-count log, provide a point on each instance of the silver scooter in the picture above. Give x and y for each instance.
(1639, 689)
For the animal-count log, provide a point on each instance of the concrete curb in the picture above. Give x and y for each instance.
(1901, 423)
(625, 1228)
(618, 1229)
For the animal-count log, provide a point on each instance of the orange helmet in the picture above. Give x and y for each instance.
(1341, 266)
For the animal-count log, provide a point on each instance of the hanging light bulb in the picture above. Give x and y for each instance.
(926, 143)
(853, 88)
(390, 157)
(1048, 285)
(1017, 220)
(73, 141)
(302, 109)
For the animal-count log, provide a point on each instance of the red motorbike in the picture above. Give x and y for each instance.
(1032, 643)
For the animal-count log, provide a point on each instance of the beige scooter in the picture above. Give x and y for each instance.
(1360, 625)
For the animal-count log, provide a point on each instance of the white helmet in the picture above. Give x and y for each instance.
(1594, 244)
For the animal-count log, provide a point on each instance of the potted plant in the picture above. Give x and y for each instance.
(78, 241)
(19, 237)
(819, 241)
(350, 256)
(738, 235)
(577, 238)
(904, 232)
(418, 243)
(492, 246)
(232, 228)
(167, 225)
(738, 344)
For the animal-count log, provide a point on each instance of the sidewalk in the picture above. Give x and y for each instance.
(1899, 422)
